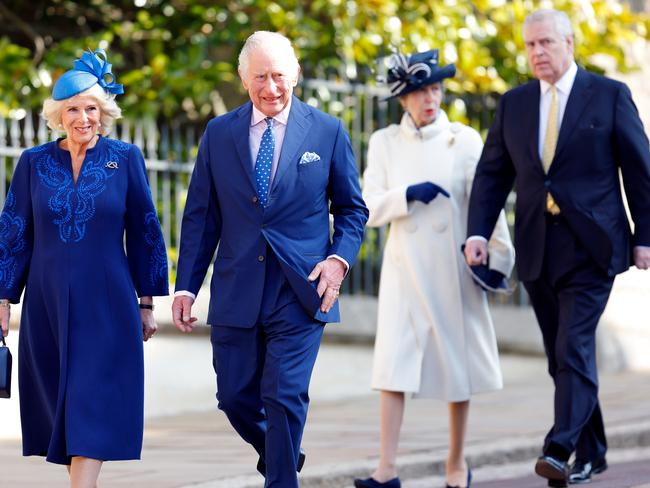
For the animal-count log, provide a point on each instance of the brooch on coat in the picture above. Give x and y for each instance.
(455, 128)
(111, 164)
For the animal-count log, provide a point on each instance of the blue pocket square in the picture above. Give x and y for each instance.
(309, 157)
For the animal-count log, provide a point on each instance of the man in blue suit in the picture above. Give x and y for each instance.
(563, 140)
(267, 177)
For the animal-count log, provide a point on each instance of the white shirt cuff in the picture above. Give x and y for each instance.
(185, 293)
(476, 238)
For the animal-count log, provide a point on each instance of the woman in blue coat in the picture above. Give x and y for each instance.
(62, 238)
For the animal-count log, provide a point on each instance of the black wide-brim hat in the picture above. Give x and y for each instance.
(408, 74)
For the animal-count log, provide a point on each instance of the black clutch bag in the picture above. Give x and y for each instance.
(5, 370)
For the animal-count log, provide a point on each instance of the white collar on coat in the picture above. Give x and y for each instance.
(408, 128)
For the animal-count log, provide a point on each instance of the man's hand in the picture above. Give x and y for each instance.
(5, 314)
(476, 252)
(182, 313)
(331, 272)
(642, 257)
(424, 192)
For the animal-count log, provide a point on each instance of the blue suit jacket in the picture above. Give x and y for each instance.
(222, 210)
(601, 133)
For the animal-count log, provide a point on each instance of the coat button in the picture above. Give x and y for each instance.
(260, 258)
(440, 225)
(254, 199)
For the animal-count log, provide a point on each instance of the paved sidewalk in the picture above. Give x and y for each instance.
(200, 450)
(628, 469)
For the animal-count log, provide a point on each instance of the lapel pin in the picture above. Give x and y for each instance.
(112, 164)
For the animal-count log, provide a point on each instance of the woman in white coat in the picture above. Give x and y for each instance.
(435, 337)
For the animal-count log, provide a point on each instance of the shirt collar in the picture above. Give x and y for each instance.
(564, 84)
(282, 117)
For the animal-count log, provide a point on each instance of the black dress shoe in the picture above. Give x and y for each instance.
(581, 471)
(469, 480)
(552, 469)
(261, 465)
(558, 483)
(373, 483)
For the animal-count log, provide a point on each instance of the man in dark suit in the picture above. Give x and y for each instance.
(563, 140)
(267, 177)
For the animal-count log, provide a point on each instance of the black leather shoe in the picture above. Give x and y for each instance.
(552, 469)
(373, 483)
(261, 465)
(581, 471)
(558, 483)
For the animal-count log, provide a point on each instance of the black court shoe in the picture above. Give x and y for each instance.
(469, 480)
(373, 483)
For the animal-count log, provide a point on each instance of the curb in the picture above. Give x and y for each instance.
(432, 463)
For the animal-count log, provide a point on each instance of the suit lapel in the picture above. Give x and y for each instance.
(581, 92)
(240, 130)
(298, 126)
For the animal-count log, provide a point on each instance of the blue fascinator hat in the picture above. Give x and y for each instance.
(407, 74)
(89, 69)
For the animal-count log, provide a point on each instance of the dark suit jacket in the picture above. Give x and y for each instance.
(222, 209)
(600, 134)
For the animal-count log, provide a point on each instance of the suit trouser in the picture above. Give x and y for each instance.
(568, 298)
(263, 376)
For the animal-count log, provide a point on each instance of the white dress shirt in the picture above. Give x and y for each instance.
(563, 86)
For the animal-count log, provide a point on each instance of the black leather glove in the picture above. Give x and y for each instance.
(424, 192)
(488, 279)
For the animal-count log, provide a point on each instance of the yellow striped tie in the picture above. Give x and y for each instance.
(548, 149)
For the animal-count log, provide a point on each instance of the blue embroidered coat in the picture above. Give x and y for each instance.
(81, 374)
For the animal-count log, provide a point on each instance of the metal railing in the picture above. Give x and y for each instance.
(169, 155)
(170, 151)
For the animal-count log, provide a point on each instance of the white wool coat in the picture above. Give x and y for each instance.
(435, 337)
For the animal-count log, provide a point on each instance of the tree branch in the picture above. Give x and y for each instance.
(39, 42)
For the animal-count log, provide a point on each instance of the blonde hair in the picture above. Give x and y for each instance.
(110, 111)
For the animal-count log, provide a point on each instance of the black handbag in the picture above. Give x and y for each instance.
(5, 370)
